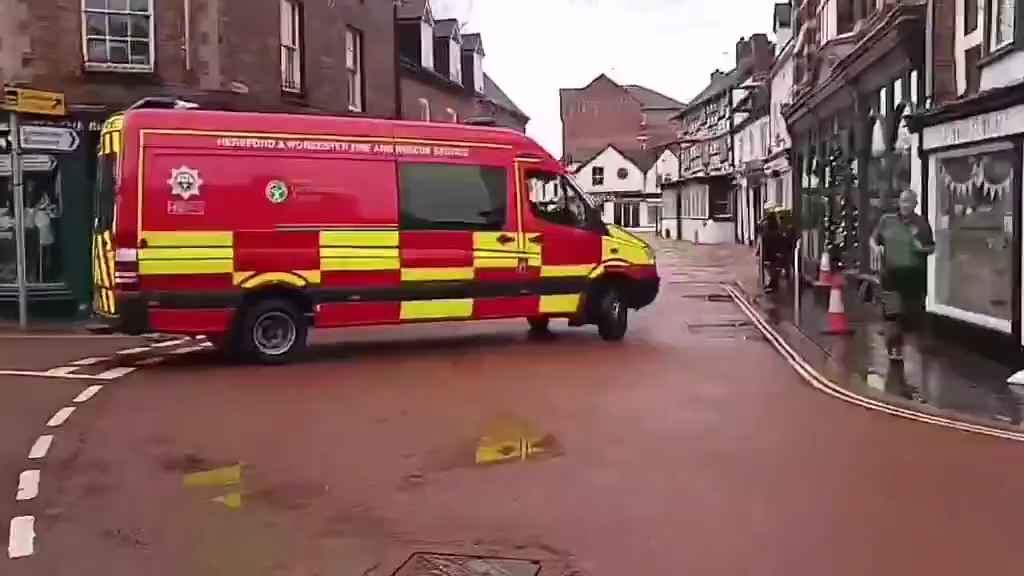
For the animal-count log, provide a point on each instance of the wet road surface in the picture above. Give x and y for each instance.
(691, 447)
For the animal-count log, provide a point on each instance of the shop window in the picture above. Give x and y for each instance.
(118, 35)
(450, 197)
(974, 232)
(1003, 22)
(43, 213)
(291, 46)
(720, 202)
(354, 68)
(627, 214)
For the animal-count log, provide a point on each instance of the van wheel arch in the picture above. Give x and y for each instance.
(296, 298)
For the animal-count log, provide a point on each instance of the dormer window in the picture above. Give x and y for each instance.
(427, 39)
(455, 56)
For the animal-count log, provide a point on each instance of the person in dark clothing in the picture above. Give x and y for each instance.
(901, 244)
(774, 245)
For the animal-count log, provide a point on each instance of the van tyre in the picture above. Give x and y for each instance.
(273, 332)
(539, 324)
(612, 315)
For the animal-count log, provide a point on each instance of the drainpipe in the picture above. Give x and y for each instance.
(188, 35)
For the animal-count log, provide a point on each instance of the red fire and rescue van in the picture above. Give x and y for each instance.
(253, 228)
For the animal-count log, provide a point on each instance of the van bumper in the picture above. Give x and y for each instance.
(132, 316)
(643, 292)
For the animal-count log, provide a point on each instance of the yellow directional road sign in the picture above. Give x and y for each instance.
(28, 101)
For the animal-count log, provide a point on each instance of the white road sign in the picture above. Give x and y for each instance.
(49, 138)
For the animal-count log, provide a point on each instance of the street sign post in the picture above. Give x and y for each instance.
(28, 101)
(19, 222)
(49, 138)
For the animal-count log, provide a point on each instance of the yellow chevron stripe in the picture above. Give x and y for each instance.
(188, 239)
(435, 274)
(186, 254)
(560, 304)
(359, 264)
(155, 267)
(360, 238)
(437, 309)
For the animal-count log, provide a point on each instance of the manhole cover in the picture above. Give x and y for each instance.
(422, 564)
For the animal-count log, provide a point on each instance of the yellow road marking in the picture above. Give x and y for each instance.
(227, 476)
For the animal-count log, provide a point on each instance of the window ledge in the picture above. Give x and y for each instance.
(999, 54)
(124, 68)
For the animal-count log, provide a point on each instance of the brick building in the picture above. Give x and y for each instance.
(605, 113)
(333, 57)
(702, 205)
(443, 78)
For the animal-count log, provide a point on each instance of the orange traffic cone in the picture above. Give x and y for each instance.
(825, 270)
(836, 321)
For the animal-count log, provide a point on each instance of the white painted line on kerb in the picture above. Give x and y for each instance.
(41, 447)
(131, 351)
(115, 373)
(87, 393)
(151, 361)
(90, 361)
(28, 485)
(61, 416)
(169, 343)
(23, 537)
(62, 371)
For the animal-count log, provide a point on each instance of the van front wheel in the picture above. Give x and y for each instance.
(273, 332)
(612, 315)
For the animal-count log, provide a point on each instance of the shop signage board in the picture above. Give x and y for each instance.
(49, 138)
(28, 101)
(987, 126)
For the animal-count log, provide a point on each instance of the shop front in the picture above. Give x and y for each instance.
(58, 163)
(972, 153)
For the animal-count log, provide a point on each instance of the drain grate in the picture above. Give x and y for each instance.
(709, 297)
(426, 564)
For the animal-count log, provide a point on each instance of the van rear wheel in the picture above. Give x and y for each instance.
(612, 315)
(273, 332)
(539, 324)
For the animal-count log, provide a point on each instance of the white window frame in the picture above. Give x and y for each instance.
(117, 67)
(424, 109)
(994, 24)
(595, 177)
(354, 68)
(291, 46)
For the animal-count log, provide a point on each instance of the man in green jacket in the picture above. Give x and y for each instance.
(901, 244)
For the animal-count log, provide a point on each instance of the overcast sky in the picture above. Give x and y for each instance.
(535, 47)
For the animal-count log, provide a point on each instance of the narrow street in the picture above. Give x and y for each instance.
(691, 448)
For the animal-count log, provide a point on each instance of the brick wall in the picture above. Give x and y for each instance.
(415, 87)
(234, 48)
(600, 114)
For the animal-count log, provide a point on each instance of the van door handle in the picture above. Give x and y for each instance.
(538, 239)
(506, 239)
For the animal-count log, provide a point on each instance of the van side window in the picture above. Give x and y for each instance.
(554, 200)
(452, 197)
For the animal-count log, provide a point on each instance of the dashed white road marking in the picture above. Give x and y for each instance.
(90, 361)
(22, 538)
(28, 485)
(87, 394)
(48, 374)
(115, 373)
(169, 343)
(40, 447)
(151, 361)
(61, 416)
(188, 350)
(131, 351)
